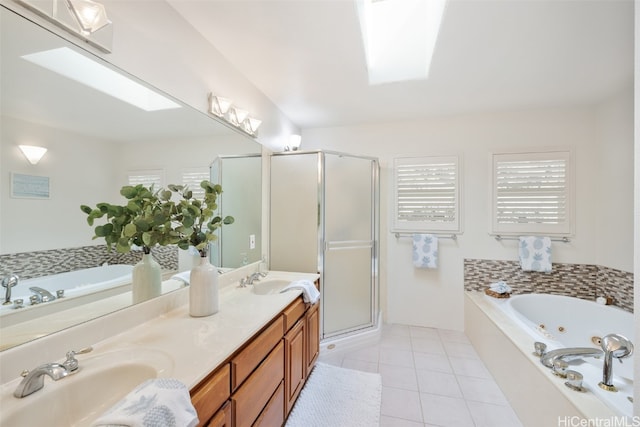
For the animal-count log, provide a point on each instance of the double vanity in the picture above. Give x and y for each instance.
(244, 365)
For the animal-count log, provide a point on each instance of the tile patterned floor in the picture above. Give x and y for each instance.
(430, 377)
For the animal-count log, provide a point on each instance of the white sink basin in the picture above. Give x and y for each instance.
(81, 398)
(269, 286)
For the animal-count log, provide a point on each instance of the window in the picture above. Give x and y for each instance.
(427, 194)
(192, 179)
(147, 178)
(532, 193)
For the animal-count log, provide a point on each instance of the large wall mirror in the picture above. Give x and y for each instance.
(95, 142)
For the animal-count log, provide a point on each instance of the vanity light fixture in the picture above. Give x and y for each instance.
(91, 16)
(32, 153)
(294, 143)
(251, 125)
(218, 105)
(223, 108)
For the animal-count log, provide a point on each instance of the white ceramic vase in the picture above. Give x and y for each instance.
(203, 289)
(146, 280)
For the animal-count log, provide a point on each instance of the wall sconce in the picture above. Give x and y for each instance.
(91, 16)
(32, 153)
(218, 105)
(294, 143)
(223, 108)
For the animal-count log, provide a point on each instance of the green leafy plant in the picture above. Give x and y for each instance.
(152, 218)
(197, 220)
(144, 221)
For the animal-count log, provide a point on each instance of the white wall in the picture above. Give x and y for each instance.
(435, 298)
(81, 171)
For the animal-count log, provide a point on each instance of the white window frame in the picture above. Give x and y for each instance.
(194, 185)
(426, 225)
(146, 172)
(565, 227)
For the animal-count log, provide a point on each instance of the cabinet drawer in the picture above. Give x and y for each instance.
(253, 396)
(211, 394)
(273, 414)
(244, 363)
(222, 418)
(292, 313)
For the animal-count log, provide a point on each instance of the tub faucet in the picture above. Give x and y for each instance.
(34, 380)
(617, 346)
(43, 294)
(567, 354)
(8, 283)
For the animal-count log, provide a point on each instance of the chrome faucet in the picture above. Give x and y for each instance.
(255, 277)
(549, 358)
(34, 380)
(43, 294)
(614, 345)
(8, 283)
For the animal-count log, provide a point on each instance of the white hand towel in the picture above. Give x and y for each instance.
(185, 277)
(500, 287)
(159, 402)
(309, 292)
(535, 253)
(425, 251)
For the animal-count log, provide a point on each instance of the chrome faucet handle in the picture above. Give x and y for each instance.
(71, 364)
(560, 368)
(574, 381)
(540, 348)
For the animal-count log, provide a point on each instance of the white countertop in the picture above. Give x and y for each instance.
(179, 346)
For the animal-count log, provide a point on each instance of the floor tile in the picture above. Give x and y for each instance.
(428, 345)
(367, 354)
(488, 415)
(481, 390)
(420, 332)
(469, 367)
(432, 362)
(438, 383)
(453, 336)
(399, 342)
(398, 377)
(359, 365)
(456, 349)
(395, 329)
(400, 403)
(396, 357)
(397, 422)
(445, 411)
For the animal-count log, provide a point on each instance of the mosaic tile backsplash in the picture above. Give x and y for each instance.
(577, 280)
(28, 265)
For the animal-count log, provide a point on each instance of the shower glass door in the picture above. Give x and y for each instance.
(349, 244)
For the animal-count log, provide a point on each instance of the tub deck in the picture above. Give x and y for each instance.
(538, 397)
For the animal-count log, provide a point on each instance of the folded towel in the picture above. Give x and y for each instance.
(159, 402)
(309, 292)
(425, 251)
(500, 287)
(185, 277)
(535, 253)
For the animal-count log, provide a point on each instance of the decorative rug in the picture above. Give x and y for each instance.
(338, 397)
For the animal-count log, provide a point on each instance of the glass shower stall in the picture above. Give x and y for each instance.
(324, 218)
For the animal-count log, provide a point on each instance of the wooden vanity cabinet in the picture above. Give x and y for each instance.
(259, 384)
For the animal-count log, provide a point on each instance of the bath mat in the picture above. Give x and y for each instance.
(338, 397)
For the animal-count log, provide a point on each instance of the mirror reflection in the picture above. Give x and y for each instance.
(95, 143)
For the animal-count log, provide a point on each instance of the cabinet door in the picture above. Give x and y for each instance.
(222, 418)
(313, 336)
(211, 394)
(295, 363)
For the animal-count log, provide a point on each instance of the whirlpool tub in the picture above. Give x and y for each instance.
(503, 331)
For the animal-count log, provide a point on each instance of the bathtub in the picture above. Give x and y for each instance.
(74, 283)
(558, 321)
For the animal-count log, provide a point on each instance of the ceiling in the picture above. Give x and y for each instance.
(307, 56)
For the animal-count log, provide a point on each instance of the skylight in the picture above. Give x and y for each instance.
(84, 70)
(399, 37)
